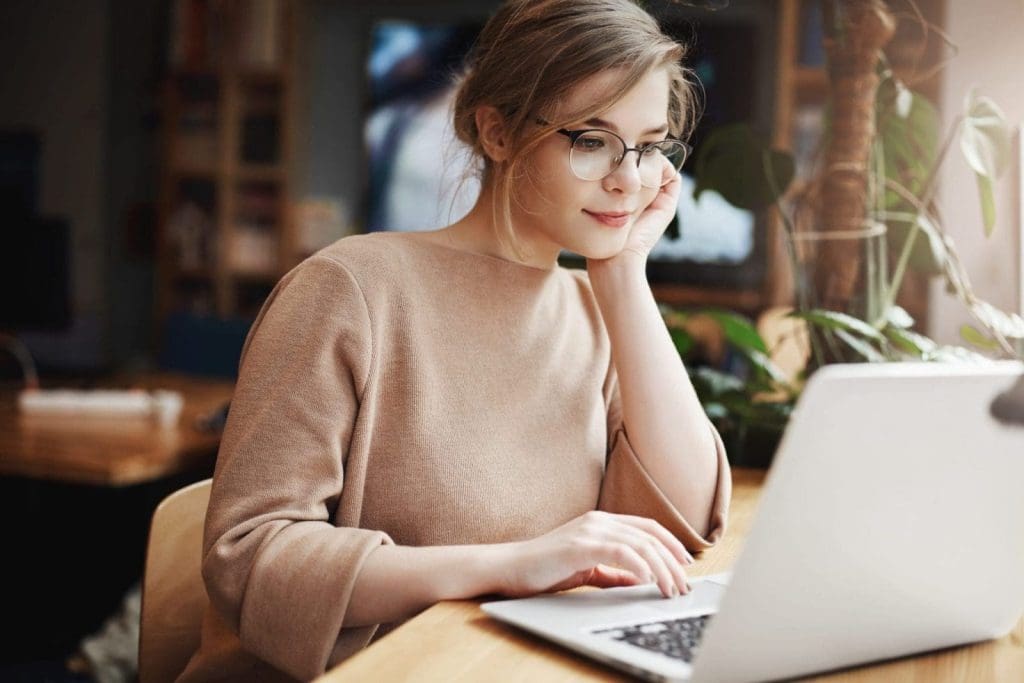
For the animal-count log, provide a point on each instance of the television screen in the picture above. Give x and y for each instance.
(422, 178)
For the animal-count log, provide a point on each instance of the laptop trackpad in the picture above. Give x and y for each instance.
(705, 595)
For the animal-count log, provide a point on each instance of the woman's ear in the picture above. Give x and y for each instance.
(490, 126)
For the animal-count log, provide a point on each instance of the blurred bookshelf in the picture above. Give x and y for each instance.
(225, 229)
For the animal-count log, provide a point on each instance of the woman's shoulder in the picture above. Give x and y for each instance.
(371, 260)
(368, 251)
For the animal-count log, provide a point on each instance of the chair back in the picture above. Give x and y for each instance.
(173, 594)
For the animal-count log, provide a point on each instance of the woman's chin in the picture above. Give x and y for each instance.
(599, 252)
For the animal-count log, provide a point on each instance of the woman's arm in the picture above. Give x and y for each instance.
(596, 549)
(665, 421)
(395, 582)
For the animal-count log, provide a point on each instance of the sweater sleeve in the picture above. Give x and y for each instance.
(627, 488)
(275, 565)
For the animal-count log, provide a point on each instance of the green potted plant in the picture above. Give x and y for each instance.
(863, 219)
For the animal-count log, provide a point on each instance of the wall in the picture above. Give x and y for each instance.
(137, 37)
(991, 55)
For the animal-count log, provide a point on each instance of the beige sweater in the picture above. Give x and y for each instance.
(394, 390)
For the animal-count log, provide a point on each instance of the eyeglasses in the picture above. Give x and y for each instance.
(596, 153)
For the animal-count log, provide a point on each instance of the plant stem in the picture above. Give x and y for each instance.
(790, 238)
(901, 266)
(931, 183)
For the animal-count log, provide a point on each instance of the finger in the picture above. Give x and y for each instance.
(669, 174)
(660, 561)
(652, 527)
(672, 563)
(610, 577)
(622, 555)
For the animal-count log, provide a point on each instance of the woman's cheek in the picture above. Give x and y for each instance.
(648, 195)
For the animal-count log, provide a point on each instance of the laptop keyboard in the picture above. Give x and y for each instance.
(676, 638)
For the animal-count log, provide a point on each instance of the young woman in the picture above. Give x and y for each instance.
(440, 415)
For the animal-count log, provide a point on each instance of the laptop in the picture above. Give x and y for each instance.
(891, 523)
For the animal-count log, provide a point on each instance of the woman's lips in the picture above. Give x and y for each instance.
(612, 220)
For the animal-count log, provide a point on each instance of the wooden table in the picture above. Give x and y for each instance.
(455, 640)
(111, 451)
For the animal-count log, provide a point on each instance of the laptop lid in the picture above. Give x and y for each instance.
(892, 522)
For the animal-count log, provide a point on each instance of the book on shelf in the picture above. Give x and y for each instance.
(260, 34)
(258, 201)
(196, 142)
(253, 249)
(260, 138)
(194, 41)
(192, 235)
(199, 30)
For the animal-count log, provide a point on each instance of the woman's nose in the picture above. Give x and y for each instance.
(626, 176)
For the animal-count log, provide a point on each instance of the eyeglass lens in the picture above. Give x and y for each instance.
(595, 154)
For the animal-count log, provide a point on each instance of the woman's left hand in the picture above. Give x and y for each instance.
(652, 222)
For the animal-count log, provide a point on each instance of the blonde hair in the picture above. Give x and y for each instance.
(532, 52)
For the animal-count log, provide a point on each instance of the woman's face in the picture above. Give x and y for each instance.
(557, 210)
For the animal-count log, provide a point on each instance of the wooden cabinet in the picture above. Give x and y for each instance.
(225, 234)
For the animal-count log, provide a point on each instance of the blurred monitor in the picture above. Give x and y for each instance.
(34, 251)
(34, 275)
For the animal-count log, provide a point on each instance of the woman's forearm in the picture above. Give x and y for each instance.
(396, 582)
(667, 426)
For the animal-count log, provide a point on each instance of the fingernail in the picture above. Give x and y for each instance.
(675, 591)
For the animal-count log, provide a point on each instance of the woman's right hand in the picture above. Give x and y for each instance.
(598, 549)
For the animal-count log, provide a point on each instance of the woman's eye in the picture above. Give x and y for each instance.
(589, 144)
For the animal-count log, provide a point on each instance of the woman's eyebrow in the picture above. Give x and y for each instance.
(601, 123)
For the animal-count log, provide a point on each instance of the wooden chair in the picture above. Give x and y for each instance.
(173, 595)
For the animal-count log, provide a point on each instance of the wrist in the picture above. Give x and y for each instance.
(619, 277)
(627, 266)
(498, 562)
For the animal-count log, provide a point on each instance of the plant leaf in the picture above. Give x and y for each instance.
(972, 335)
(904, 100)
(988, 203)
(860, 346)
(682, 339)
(984, 136)
(739, 331)
(716, 382)
(985, 143)
(763, 363)
(833, 320)
(910, 142)
(913, 343)
(715, 410)
(898, 317)
(731, 162)
(1009, 325)
(928, 255)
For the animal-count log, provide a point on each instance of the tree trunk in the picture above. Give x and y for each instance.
(855, 33)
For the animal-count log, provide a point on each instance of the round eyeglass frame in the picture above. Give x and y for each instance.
(575, 135)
